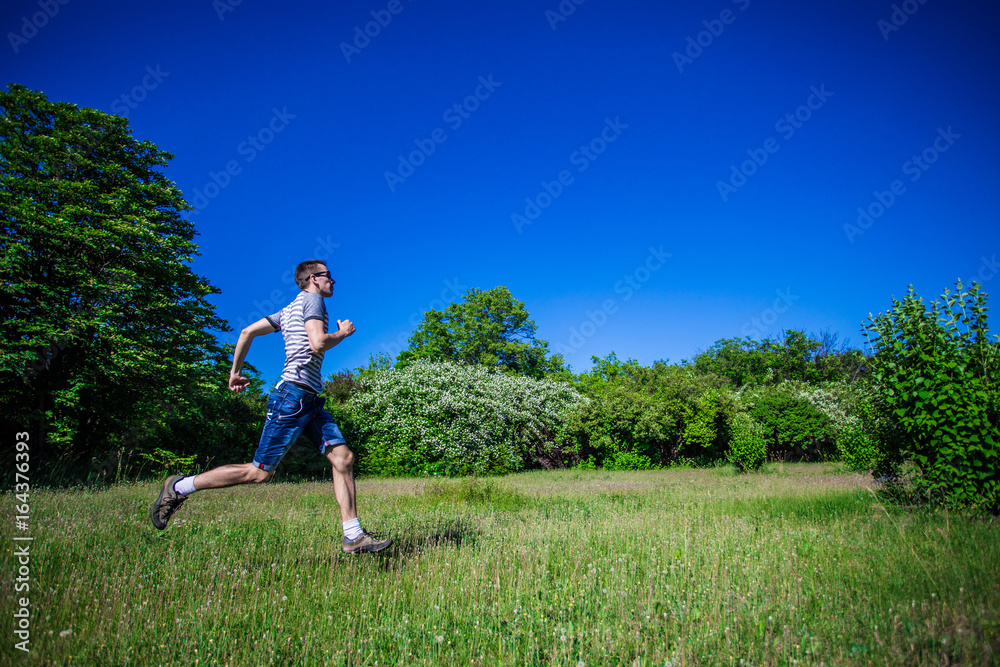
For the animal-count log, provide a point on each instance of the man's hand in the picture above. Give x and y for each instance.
(238, 382)
(346, 327)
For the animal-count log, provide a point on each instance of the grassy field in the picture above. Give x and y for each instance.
(798, 565)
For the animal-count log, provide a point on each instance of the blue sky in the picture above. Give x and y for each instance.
(648, 179)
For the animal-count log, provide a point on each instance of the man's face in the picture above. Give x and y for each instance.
(323, 282)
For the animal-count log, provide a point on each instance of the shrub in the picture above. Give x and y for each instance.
(661, 412)
(748, 442)
(856, 448)
(628, 461)
(622, 420)
(939, 400)
(795, 429)
(166, 462)
(441, 418)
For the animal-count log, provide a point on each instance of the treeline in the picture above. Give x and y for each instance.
(109, 362)
(921, 411)
(741, 401)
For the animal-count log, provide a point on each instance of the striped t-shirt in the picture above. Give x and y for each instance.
(302, 365)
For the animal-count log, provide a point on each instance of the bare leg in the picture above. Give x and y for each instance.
(342, 460)
(231, 475)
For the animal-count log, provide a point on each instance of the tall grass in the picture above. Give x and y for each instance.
(799, 565)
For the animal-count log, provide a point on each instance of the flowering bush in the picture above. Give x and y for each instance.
(848, 407)
(441, 418)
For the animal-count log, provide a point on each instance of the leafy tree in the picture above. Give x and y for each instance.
(488, 328)
(742, 361)
(836, 361)
(796, 356)
(937, 369)
(105, 326)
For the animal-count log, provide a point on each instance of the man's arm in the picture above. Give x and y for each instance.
(237, 381)
(321, 342)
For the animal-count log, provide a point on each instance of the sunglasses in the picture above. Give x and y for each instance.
(322, 274)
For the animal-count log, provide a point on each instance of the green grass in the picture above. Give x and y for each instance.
(799, 565)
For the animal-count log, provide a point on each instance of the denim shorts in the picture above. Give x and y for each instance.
(291, 411)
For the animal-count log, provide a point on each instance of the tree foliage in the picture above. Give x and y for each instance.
(795, 356)
(489, 328)
(105, 325)
(662, 412)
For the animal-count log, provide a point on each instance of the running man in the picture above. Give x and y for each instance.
(295, 406)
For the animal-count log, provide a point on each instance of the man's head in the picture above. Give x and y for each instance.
(313, 276)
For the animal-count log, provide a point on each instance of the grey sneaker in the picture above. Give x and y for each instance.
(167, 503)
(365, 543)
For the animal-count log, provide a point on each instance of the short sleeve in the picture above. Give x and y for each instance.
(275, 320)
(313, 307)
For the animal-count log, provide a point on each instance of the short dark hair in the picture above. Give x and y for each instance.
(304, 269)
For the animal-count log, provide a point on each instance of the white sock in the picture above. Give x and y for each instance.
(185, 486)
(352, 529)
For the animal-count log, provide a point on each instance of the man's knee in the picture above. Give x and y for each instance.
(341, 457)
